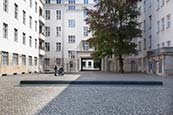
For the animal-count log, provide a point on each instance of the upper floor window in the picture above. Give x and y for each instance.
(47, 29)
(163, 24)
(168, 18)
(15, 35)
(58, 46)
(35, 43)
(24, 17)
(71, 23)
(36, 7)
(24, 39)
(150, 21)
(47, 14)
(30, 21)
(85, 1)
(47, 1)
(158, 26)
(5, 30)
(58, 14)
(15, 11)
(47, 46)
(71, 7)
(71, 54)
(30, 3)
(85, 31)
(158, 4)
(144, 3)
(30, 61)
(85, 45)
(71, 39)
(58, 1)
(30, 41)
(5, 5)
(58, 31)
(71, 1)
(163, 3)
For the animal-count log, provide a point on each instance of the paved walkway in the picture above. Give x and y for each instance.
(86, 99)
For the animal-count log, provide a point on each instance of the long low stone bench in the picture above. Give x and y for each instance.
(23, 82)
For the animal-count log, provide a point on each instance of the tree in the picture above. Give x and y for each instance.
(114, 25)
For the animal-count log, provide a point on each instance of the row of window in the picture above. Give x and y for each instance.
(161, 3)
(69, 1)
(161, 23)
(58, 46)
(5, 35)
(6, 5)
(147, 4)
(57, 61)
(58, 14)
(16, 14)
(150, 44)
(58, 31)
(15, 59)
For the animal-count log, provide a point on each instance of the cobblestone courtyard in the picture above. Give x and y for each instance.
(85, 99)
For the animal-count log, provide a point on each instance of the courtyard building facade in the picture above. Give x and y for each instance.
(66, 35)
(20, 36)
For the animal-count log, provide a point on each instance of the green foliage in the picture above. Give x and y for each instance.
(114, 25)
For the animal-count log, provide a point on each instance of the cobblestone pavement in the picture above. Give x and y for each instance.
(86, 99)
(27, 100)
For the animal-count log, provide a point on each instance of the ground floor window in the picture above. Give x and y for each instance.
(4, 58)
(23, 60)
(15, 59)
(30, 60)
(47, 61)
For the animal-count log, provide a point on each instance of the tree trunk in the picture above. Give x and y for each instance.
(121, 64)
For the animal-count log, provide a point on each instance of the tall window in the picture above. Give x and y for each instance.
(47, 61)
(15, 11)
(5, 30)
(139, 45)
(163, 3)
(58, 14)
(47, 29)
(5, 5)
(35, 26)
(35, 61)
(168, 18)
(24, 39)
(71, 23)
(35, 43)
(47, 1)
(71, 54)
(15, 35)
(58, 46)
(144, 25)
(4, 58)
(145, 43)
(71, 6)
(58, 61)
(150, 21)
(30, 21)
(58, 1)
(71, 39)
(23, 60)
(30, 41)
(30, 3)
(163, 24)
(47, 14)
(144, 5)
(15, 59)
(150, 41)
(36, 7)
(158, 4)
(58, 31)
(47, 46)
(24, 17)
(158, 26)
(85, 45)
(85, 31)
(85, 1)
(30, 60)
